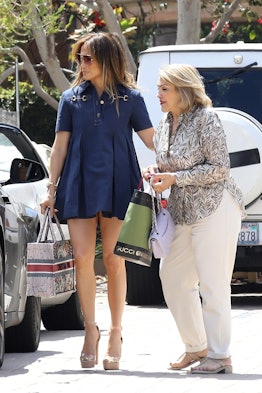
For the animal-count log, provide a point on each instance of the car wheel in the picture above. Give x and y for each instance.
(66, 316)
(25, 337)
(143, 284)
(2, 310)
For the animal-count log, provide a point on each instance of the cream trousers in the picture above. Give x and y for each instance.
(201, 260)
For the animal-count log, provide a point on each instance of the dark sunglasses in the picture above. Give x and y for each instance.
(86, 59)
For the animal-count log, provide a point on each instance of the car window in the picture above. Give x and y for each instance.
(240, 90)
(8, 151)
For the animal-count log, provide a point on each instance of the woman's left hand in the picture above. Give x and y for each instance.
(161, 181)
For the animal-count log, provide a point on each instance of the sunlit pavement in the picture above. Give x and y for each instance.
(150, 342)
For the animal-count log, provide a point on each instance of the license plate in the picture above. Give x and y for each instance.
(248, 234)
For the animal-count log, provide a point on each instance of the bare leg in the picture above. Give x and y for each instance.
(115, 267)
(83, 237)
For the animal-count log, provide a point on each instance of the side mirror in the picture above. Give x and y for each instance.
(25, 171)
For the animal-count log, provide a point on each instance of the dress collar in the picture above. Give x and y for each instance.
(183, 116)
(87, 84)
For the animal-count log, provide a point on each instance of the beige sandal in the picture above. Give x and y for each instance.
(213, 366)
(187, 359)
(111, 362)
(89, 360)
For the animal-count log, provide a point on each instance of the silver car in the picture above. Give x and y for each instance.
(23, 178)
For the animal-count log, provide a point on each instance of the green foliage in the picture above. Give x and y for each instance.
(38, 121)
(249, 31)
(138, 33)
(37, 118)
(235, 32)
(18, 18)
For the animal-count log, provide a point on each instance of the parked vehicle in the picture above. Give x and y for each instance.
(232, 74)
(23, 178)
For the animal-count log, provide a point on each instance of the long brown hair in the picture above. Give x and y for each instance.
(108, 51)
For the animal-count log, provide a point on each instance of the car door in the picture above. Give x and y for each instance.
(21, 221)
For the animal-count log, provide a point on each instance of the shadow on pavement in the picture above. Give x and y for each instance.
(158, 374)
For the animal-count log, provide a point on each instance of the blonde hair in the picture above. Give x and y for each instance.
(108, 51)
(188, 82)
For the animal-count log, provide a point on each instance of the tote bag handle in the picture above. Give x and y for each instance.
(47, 226)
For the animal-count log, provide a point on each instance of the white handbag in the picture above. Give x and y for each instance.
(163, 229)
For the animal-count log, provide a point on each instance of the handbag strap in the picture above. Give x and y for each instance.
(42, 227)
(47, 225)
(156, 205)
(140, 184)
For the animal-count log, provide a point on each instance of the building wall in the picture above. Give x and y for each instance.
(164, 18)
(168, 15)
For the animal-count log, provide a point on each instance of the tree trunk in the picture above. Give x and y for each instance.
(28, 67)
(188, 22)
(113, 26)
(46, 46)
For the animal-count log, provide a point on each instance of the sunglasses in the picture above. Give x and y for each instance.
(86, 59)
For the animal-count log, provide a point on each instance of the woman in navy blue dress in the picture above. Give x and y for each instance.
(93, 172)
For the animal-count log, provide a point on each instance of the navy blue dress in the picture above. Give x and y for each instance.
(101, 169)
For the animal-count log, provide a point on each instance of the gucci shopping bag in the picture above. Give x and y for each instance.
(50, 263)
(132, 242)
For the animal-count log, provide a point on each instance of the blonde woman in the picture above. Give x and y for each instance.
(93, 172)
(206, 206)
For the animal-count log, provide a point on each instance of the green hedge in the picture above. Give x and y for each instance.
(37, 118)
(38, 121)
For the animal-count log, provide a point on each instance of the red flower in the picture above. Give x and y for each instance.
(226, 28)
(259, 20)
(97, 20)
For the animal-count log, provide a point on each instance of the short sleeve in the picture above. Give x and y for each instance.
(140, 119)
(64, 115)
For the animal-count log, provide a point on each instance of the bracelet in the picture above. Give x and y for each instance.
(51, 184)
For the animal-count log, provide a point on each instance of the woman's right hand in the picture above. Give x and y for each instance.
(57, 158)
(48, 202)
(149, 171)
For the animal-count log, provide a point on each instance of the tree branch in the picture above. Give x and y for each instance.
(27, 66)
(113, 26)
(46, 46)
(221, 22)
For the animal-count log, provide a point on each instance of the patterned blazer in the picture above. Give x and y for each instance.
(196, 152)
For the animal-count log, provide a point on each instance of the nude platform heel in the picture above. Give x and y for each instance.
(90, 360)
(111, 362)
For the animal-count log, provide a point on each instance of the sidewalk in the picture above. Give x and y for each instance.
(150, 342)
